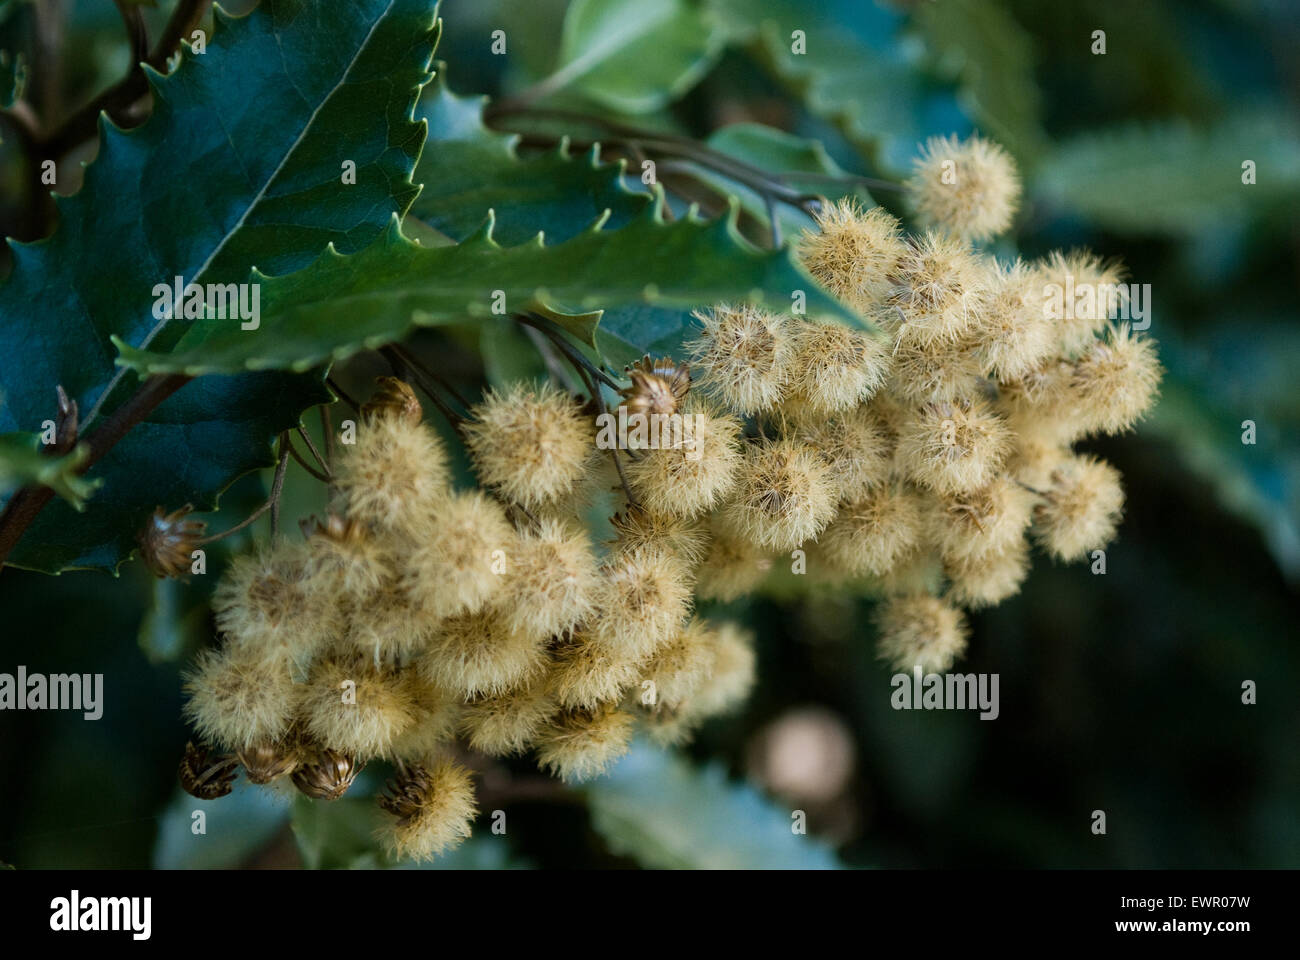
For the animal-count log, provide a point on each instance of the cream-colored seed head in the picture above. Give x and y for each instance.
(743, 356)
(437, 711)
(354, 708)
(969, 188)
(394, 473)
(1079, 292)
(432, 809)
(581, 744)
(920, 629)
(987, 579)
(681, 666)
(855, 446)
(551, 580)
(981, 523)
(457, 565)
(587, 674)
(732, 568)
(836, 368)
(1082, 508)
(642, 599)
(638, 527)
(1015, 337)
(954, 448)
(873, 533)
(940, 292)
(690, 479)
(482, 653)
(507, 723)
(785, 495)
(530, 443)
(237, 700)
(1115, 381)
(853, 252)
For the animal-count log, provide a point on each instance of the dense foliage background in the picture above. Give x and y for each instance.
(1119, 693)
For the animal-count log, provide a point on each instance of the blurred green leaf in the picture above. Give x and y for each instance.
(468, 170)
(634, 56)
(13, 77)
(22, 461)
(979, 41)
(1170, 178)
(235, 827)
(657, 808)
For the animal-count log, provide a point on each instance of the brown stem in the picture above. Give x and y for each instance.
(81, 126)
(24, 506)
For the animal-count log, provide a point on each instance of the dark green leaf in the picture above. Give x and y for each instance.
(342, 304)
(468, 170)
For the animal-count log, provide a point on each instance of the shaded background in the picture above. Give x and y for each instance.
(1119, 692)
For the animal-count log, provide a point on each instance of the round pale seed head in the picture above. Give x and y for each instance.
(1082, 508)
(969, 188)
(785, 495)
(743, 356)
(920, 629)
(853, 252)
(580, 744)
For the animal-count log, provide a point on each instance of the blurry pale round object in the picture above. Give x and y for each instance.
(806, 754)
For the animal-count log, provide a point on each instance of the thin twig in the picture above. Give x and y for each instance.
(277, 485)
(306, 438)
(293, 452)
(413, 361)
(343, 394)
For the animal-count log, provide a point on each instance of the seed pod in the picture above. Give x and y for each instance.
(327, 774)
(271, 760)
(168, 540)
(395, 398)
(206, 775)
(658, 386)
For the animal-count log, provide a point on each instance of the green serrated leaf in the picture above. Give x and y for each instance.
(1171, 178)
(242, 165)
(23, 461)
(468, 170)
(635, 56)
(657, 808)
(342, 304)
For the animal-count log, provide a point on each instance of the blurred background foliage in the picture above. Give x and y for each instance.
(1120, 693)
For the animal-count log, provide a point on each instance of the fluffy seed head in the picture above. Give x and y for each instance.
(853, 251)
(1115, 381)
(1082, 508)
(432, 810)
(394, 473)
(263, 603)
(988, 579)
(969, 188)
(587, 674)
(785, 495)
(954, 448)
(836, 368)
(920, 629)
(981, 523)
(681, 666)
(732, 673)
(871, 534)
(642, 599)
(732, 568)
(581, 744)
(940, 292)
(1014, 337)
(355, 708)
(1078, 292)
(482, 653)
(855, 446)
(941, 371)
(237, 700)
(692, 478)
(507, 723)
(436, 713)
(638, 527)
(451, 570)
(346, 561)
(744, 356)
(530, 443)
(551, 580)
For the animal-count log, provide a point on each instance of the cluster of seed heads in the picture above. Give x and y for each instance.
(918, 460)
